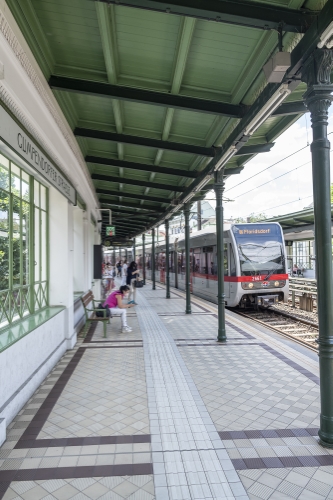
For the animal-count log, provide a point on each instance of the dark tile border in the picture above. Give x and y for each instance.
(282, 462)
(218, 344)
(87, 441)
(268, 433)
(291, 363)
(29, 437)
(115, 341)
(110, 346)
(7, 476)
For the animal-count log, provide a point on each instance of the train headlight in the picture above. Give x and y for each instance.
(277, 283)
(250, 285)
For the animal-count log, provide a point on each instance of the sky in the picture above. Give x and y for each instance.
(291, 192)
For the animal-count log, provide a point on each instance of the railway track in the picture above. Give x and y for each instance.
(301, 331)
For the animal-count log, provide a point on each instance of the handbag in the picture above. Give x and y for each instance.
(138, 283)
(100, 314)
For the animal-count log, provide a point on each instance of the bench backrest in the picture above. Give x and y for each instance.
(87, 298)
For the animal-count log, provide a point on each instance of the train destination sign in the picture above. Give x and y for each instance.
(20, 142)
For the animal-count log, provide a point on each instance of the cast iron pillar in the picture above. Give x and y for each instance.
(316, 73)
(153, 258)
(219, 188)
(199, 215)
(134, 249)
(187, 208)
(167, 267)
(114, 256)
(144, 258)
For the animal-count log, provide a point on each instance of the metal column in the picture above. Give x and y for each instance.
(114, 256)
(167, 267)
(153, 258)
(199, 215)
(134, 249)
(187, 208)
(317, 98)
(219, 188)
(144, 258)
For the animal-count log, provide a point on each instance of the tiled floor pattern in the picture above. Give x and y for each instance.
(188, 457)
(103, 396)
(254, 390)
(106, 488)
(241, 386)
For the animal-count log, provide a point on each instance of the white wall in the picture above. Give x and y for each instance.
(79, 251)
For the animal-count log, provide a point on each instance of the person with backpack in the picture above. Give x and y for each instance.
(132, 274)
(117, 306)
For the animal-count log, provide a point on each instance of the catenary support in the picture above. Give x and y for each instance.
(167, 267)
(144, 258)
(219, 188)
(187, 208)
(153, 258)
(316, 73)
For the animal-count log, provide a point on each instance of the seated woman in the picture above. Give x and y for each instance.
(117, 307)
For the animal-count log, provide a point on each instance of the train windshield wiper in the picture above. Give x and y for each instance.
(278, 265)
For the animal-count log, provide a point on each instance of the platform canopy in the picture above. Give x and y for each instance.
(161, 94)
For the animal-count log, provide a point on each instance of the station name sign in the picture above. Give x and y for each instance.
(18, 140)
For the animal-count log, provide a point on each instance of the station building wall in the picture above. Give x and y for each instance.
(33, 340)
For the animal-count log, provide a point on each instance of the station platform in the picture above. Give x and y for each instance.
(166, 412)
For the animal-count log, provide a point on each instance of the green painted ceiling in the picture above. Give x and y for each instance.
(125, 46)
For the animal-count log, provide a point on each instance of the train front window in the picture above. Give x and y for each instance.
(260, 249)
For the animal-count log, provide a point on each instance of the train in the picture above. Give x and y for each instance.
(254, 261)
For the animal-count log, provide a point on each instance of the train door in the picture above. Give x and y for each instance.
(232, 273)
(226, 267)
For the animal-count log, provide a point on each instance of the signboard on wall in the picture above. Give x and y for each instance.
(12, 134)
(110, 231)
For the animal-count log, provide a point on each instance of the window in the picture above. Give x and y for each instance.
(23, 243)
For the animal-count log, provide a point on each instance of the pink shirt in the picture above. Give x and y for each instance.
(112, 301)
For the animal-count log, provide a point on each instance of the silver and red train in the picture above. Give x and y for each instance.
(255, 264)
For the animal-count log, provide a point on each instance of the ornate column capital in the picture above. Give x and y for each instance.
(187, 208)
(316, 74)
(219, 178)
(166, 223)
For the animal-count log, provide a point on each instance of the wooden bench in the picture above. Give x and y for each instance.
(90, 313)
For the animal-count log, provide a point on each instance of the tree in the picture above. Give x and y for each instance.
(250, 218)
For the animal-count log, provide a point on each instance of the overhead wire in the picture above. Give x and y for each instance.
(273, 165)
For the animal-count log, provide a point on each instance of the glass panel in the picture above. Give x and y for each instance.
(16, 241)
(260, 249)
(4, 240)
(42, 197)
(25, 242)
(225, 259)
(4, 173)
(36, 193)
(37, 245)
(25, 185)
(15, 179)
(44, 246)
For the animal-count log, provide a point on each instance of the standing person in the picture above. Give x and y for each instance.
(124, 273)
(132, 274)
(119, 269)
(118, 308)
(108, 277)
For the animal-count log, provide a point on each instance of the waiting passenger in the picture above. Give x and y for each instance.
(124, 273)
(118, 308)
(132, 274)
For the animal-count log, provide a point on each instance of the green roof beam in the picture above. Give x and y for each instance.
(132, 195)
(163, 99)
(242, 13)
(140, 166)
(144, 141)
(137, 182)
(152, 208)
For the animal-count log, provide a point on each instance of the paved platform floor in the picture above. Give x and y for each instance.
(166, 412)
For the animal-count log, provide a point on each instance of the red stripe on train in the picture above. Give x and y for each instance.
(242, 279)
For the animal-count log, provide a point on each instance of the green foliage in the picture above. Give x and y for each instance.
(251, 218)
(20, 215)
